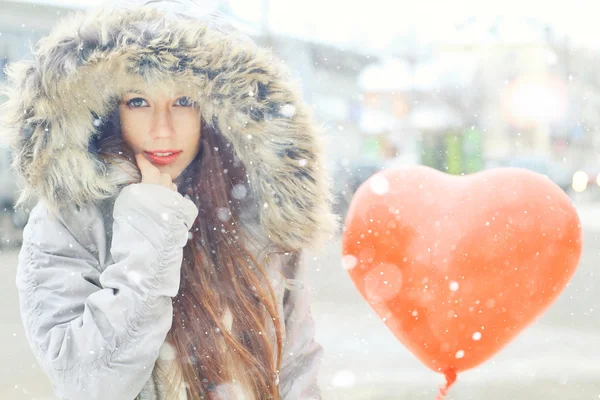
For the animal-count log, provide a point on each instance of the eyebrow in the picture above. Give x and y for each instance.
(134, 91)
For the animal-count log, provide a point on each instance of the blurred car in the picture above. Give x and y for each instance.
(587, 179)
(347, 177)
(11, 221)
(556, 172)
(8, 184)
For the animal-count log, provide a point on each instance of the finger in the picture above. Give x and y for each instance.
(145, 166)
(174, 187)
(165, 180)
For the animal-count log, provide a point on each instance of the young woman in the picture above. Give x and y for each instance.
(178, 177)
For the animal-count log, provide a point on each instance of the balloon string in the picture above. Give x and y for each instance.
(450, 375)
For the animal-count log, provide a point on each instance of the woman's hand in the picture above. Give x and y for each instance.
(152, 175)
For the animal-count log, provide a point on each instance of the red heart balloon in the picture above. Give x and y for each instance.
(457, 266)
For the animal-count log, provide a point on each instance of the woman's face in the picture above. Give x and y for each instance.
(164, 128)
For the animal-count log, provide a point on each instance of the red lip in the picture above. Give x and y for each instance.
(162, 160)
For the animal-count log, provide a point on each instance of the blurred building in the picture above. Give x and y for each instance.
(419, 110)
(21, 26)
(329, 81)
(522, 107)
(490, 89)
(328, 75)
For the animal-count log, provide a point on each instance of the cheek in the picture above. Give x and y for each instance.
(134, 128)
(188, 127)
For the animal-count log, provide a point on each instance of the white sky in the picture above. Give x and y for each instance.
(373, 23)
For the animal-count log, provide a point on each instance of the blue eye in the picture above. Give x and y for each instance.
(184, 102)
(137, 103)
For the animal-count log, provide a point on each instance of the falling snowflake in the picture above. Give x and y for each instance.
(239, 191)
(379, 185)
(383, 282)
(135, 277)
(349, 262)
(344, 378)
(223, 214)
(288, 111)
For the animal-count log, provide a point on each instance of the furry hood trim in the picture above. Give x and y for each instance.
(57, 100)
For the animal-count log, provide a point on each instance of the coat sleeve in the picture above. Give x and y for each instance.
(301, 353)
(97, 334)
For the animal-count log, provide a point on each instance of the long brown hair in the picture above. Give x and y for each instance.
(220, 275)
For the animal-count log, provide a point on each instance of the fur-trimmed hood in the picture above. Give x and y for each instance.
(56, 100)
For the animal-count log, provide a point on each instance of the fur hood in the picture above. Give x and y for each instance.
(57, 100)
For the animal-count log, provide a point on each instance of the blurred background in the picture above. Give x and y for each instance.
(460, 86)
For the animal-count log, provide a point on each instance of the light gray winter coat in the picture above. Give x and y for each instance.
(100, 263)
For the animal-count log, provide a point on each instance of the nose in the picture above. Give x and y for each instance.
(162, 124)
